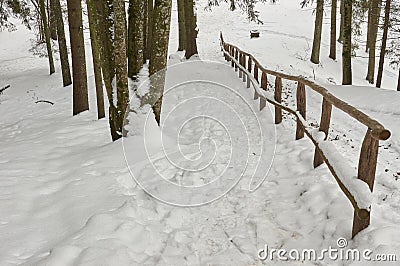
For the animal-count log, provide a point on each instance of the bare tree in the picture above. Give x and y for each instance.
(317, 32)
(80, 90)
(346, 52)
(43, 15)
(62, 44)
(386, 24)
(332, 50)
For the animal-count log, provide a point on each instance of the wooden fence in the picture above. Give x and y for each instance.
(358, 193)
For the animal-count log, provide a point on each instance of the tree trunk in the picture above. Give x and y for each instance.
(121, 71)
(62, 44)
(105, 14)
(341, 21)
(135, 37)
(346, 52)
(375, 11)
(159, 51)
(95, 41)
(317, 32)
(386, 24)
(46, 35)
(145, 30)
(398, 82)
(181, 23)
(149, 28)
(367, 45)
(332, 51)
(80, 90)
(52, 21)
(190, 27)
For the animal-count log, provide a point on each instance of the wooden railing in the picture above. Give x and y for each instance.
(356, 185)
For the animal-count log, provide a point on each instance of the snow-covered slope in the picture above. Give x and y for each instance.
(67, 197)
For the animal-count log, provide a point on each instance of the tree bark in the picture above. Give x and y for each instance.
(367, 45)
(62, 44)
(190, 27)
(80, 90)
(159, 52)
(398, 82)
(181, 23)
(135, 37)
(121, 71)
(95, 41)
(317, 32)
(386, 24)
(375, 11)
(346, 52)
(340, 39)
(46, 35)
(145, 30)
(52, 21)
(105, 14)
(332, 51)
(149, 39)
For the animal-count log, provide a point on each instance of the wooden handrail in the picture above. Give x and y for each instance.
(358, 191)
(378, 130)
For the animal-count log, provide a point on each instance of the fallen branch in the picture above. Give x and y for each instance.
(44, 101)
(4, 88)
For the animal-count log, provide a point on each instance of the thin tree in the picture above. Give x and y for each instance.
(317, 32)
(159, 51)
(386, 24)
(190, 28)
(95, 42)
(121, 69)
(62, 44)
(52, 20)
(346, 52)
(332, 50)
(80, 90)
(181, 25)
(135, 37)
(375, 12)
(369, 24)
(46, 32)
(340, 39)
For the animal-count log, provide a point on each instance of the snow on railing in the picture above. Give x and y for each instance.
(356, 185)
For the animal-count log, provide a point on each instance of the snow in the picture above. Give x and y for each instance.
(67, 196)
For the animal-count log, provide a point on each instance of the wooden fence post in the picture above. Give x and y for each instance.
(226, 48)
(324, 127)
(301, 108)
(278, 98)
(249, 67)
(256, 72)
(244, 66)
(236, 57)
(366, 172)
(232, 53)
(240, 63)
(264, 81)
(264, 85)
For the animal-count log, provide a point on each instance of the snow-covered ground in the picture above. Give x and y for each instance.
(67, 196)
